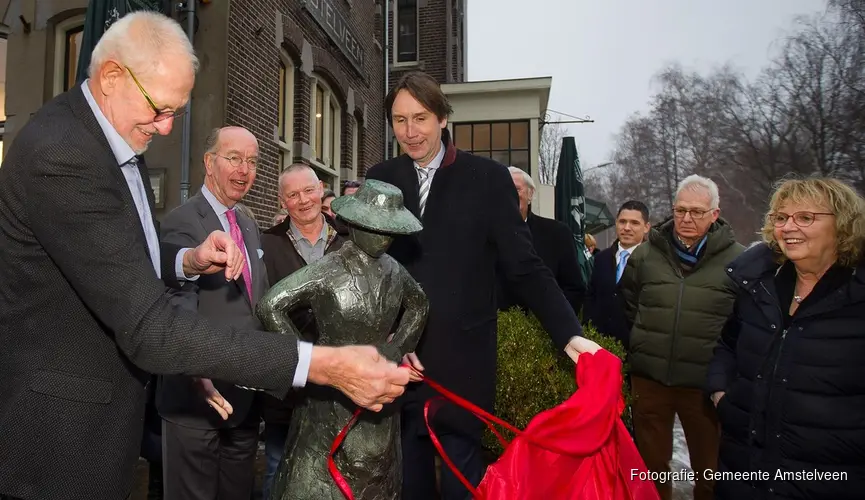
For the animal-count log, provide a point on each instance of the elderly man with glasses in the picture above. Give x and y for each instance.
(201, 440)
(678, 299)
(85, 317)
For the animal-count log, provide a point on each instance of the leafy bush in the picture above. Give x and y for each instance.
(532, 375)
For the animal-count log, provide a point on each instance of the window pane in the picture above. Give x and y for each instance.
(502, 157)
(334, 134)
(73, 49)
(520, 135)
(354, 151)
(520, 159)
(463, 137)
(481, 137)
(319, 123)
(481, 153)
(325, 177)
(501, 139)
(406, 30)
(282, 89)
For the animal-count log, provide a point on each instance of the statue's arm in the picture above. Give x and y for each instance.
(293, 290)
(410, 328)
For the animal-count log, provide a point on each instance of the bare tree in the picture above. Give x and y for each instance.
(804, 114)
(549, 148)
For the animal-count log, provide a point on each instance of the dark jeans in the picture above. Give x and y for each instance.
(274, 447)
(418, 455)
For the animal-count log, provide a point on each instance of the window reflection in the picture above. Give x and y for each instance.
(504, 142)
(406, 31)
(74, 38)
(319, 123)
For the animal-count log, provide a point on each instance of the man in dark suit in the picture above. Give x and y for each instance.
(84, 315)
(471, 218)
(305, 236)
(210, 454)
(554, 244)
(604, 307)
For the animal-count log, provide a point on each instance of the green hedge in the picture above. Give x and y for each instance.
(532, 375)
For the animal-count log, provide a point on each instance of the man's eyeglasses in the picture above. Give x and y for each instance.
(801, 219)
(160, 115)
(236, 161)
(351, 184)
(680, 213)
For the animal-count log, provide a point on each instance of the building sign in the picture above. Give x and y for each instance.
(337, 28)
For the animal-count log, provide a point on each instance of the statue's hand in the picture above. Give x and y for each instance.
(214, 398)
(579, 345)
(360, 372)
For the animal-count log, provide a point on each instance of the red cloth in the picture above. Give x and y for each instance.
(579, 450)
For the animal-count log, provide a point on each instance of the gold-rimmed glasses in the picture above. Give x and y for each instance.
(161, 115)
(236, 161)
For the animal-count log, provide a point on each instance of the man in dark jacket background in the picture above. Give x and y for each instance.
(305, 236)
(604, 306)
(554, 244)
(471, 223)
(678, 298)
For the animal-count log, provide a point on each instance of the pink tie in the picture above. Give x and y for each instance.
(237, 236)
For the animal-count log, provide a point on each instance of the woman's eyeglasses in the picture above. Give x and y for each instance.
(801, 219)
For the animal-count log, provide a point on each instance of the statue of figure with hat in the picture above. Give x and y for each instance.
(357, 295)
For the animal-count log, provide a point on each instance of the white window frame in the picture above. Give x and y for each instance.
(286, 94)
(396, 62)
(355, 151)
(60, 31)
(328, 165)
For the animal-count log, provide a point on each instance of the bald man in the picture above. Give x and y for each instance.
(209, 453)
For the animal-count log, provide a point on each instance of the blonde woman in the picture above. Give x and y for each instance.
(787, 376)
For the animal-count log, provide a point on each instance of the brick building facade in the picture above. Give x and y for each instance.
(307, 77)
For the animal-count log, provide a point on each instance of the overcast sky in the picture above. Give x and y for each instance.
(602, 54)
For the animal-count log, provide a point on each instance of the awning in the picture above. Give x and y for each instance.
(598, 217)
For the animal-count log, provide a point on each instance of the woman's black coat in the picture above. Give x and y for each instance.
(795, 387)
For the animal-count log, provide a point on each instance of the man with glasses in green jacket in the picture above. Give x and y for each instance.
(678, 298)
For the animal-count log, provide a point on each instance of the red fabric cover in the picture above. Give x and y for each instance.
(595, 458)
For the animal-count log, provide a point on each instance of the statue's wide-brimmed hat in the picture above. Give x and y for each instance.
(377, 206)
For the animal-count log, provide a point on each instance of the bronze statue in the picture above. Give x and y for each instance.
(356, 294)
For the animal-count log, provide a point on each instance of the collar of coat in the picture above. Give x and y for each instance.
(450, 149)
(761, 262)
(283, 227)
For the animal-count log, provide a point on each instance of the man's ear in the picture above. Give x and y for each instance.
(109, 75)
(208, 163)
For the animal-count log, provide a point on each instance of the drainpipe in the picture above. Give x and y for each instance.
(189, 5)
(386, 44)
(449, 39)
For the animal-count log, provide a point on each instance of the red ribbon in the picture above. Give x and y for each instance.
(490, 420)
(340, 481)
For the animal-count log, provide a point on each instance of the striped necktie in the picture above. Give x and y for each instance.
(424, 177)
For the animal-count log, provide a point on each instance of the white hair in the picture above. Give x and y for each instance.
(697, 183)
(294, 167)
(141, 40)
(525, 176)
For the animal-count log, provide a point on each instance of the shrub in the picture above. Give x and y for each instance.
(532, 375)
